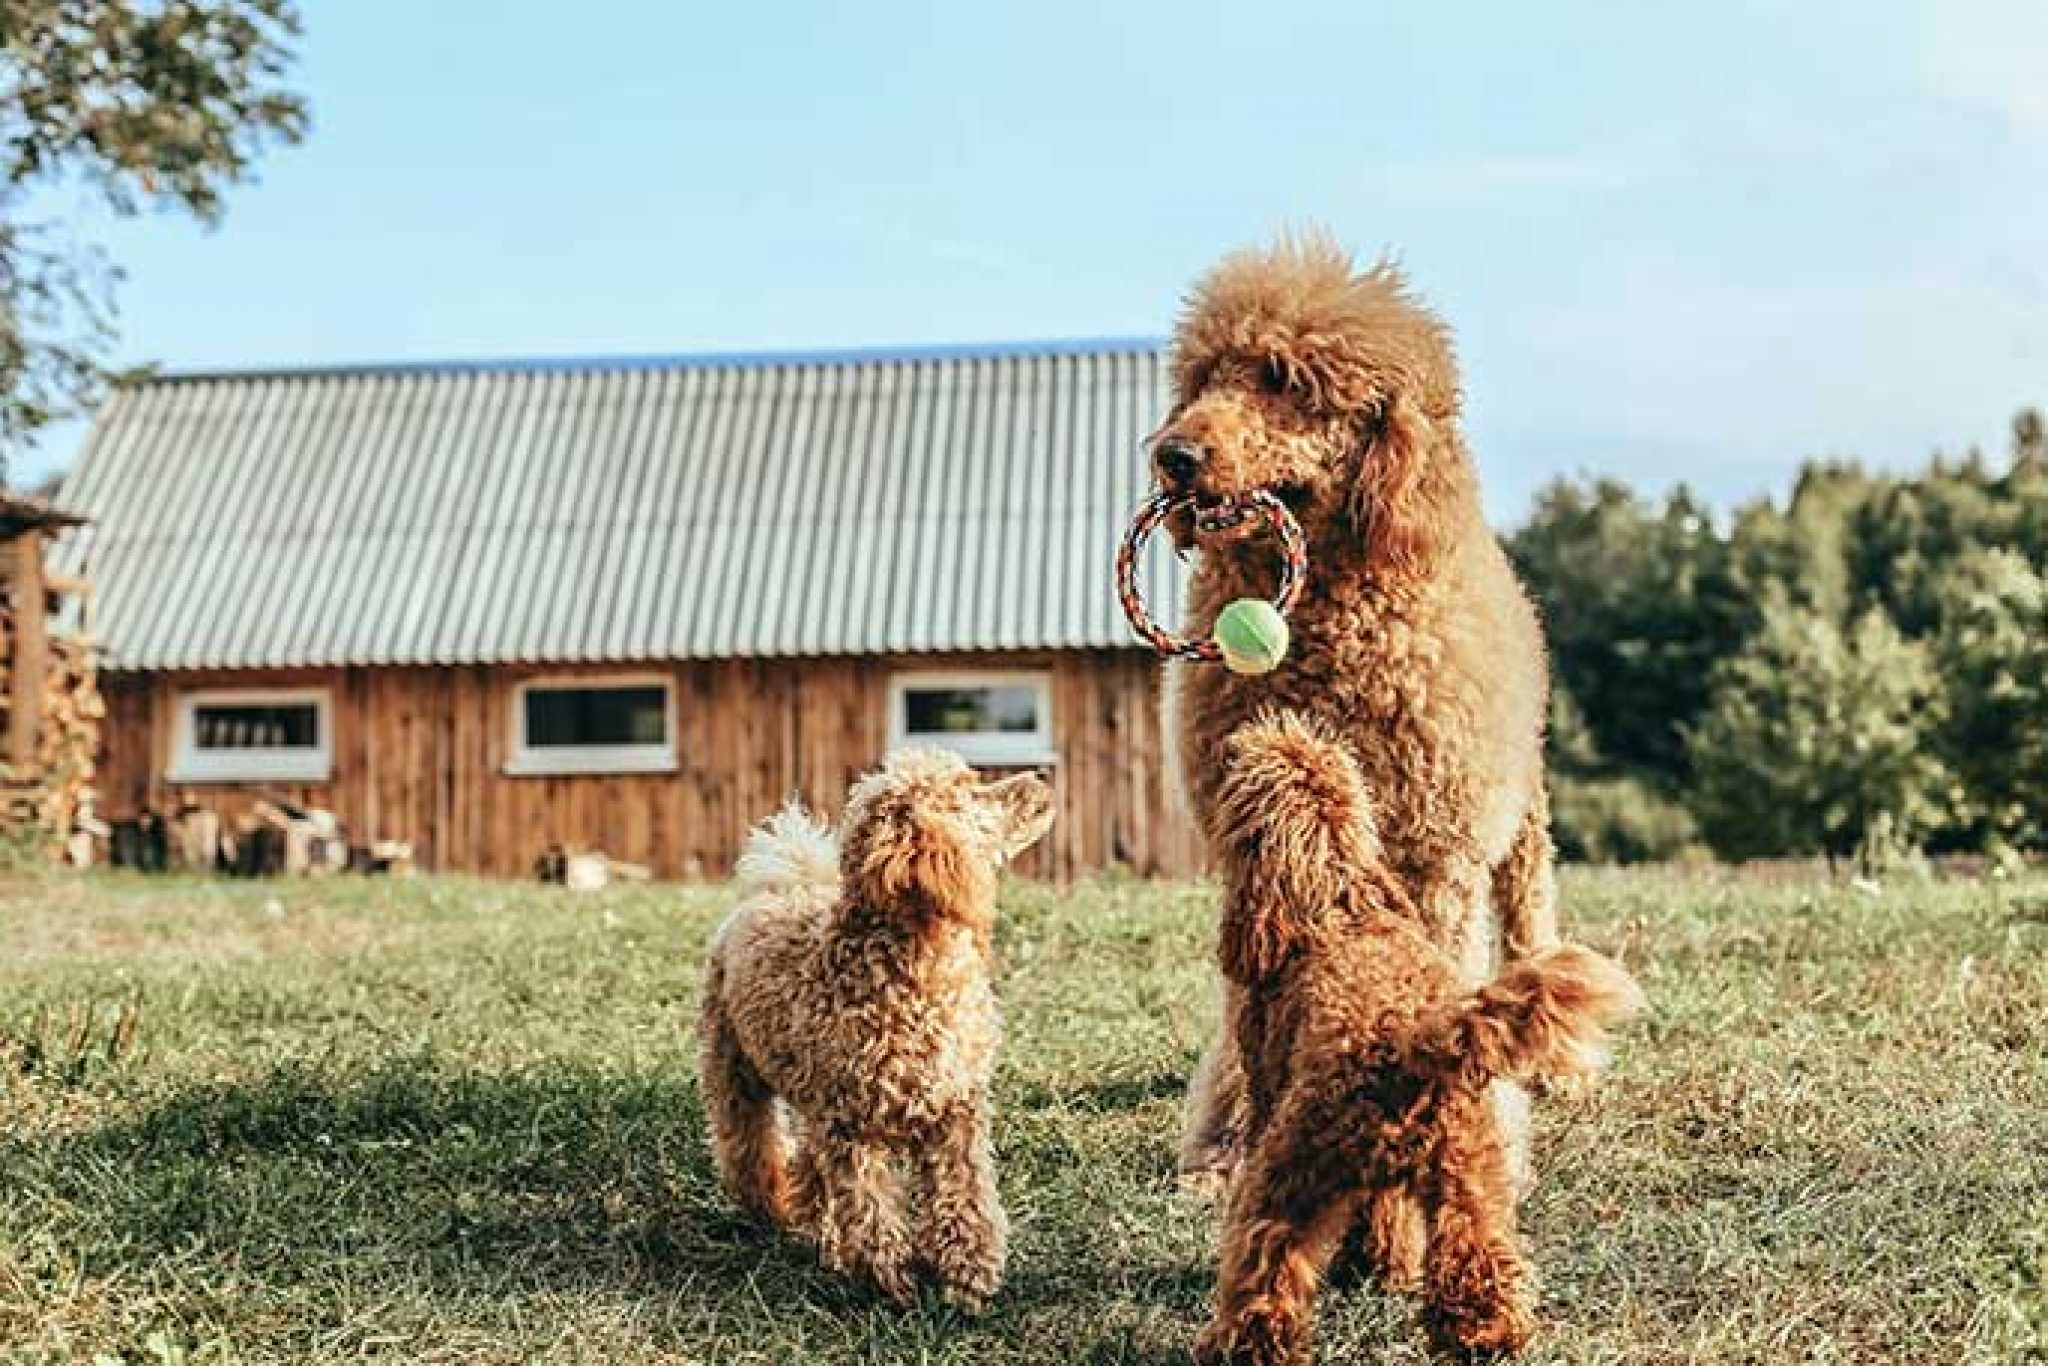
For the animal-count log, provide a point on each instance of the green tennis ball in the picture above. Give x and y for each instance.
(1252, 635)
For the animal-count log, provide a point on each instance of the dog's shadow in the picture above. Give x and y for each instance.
(441, 1184)
(571, 1177)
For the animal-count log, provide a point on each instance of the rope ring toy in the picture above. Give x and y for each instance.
(1219, 517)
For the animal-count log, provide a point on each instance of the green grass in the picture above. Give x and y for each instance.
(446, 1121)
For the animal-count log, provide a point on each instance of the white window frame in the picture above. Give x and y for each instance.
(550, 761)
(191, 764)
(993, 749)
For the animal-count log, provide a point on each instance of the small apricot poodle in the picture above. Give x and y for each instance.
(1368, 1062)
(848, 1019)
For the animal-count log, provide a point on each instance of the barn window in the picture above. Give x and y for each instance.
(584, 726)
(253, 735)
(996, 719)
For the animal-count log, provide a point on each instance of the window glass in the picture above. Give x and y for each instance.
(1006, 709)
(587, 717)
(264, 725)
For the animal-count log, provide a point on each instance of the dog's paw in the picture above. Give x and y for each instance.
(970, 1297)
(1485, 1332)
(966, 1258)
(895, 1279)
(1250, 1339)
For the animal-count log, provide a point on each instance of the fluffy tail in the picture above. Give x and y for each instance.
(1547, 1016)
(789, 852)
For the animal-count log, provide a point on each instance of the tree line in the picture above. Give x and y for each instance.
(1860, 671)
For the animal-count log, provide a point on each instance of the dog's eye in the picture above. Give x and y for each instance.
(1273, 377)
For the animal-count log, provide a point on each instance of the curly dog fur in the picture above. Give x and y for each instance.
(1368, 1061)
(1417, 674)
(848, 1019)
(1413, 642)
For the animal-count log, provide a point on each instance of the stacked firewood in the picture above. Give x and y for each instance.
(69, 740)
(55, 794)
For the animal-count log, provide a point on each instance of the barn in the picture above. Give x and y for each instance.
(626, 605)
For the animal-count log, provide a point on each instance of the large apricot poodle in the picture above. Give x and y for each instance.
(1367, 1060)
(1417, 658)
(849, 1021)
(1413, 642)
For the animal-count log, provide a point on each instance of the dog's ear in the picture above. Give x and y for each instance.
(913, 858)
(1402, 492)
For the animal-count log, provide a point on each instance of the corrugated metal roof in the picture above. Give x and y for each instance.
(638, 509)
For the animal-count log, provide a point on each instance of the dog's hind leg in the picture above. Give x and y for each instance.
(747, 1142)
(1476, 1280)
(1524, 885)
(1291, 1203)
(1386, 1242)
(806, 1182)
(1524, 894)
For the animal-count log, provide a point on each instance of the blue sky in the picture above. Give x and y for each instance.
(1694, 241)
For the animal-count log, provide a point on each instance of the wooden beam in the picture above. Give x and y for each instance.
(31, 653)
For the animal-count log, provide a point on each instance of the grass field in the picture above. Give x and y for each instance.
(455, 1122)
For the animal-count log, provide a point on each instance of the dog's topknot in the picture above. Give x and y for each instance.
(1352, 339)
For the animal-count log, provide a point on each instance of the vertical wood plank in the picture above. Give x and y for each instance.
(31, 663)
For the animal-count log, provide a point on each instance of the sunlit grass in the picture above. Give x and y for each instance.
(449, 1121)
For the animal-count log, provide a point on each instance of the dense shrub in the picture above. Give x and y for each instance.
(1992, 652)
(1620, 820)
(1818, 736)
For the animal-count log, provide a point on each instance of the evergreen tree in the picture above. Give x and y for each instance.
(2029, 441)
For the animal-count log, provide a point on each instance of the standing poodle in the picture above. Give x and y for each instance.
(852, 986)
(1415, 649)
(1367, 1061)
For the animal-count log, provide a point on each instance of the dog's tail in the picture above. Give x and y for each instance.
(791, 851)
(1547, 1016)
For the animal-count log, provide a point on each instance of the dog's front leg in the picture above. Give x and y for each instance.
(1292, 824)
(1212, 1138)
(962, 1230)
(861, 1231)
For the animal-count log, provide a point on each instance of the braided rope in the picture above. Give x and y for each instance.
(1293, 563)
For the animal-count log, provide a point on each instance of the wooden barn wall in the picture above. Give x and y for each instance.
(419, 755)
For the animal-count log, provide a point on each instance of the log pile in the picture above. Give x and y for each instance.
(54, 795)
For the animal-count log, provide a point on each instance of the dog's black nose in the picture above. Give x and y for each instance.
(1179, 462)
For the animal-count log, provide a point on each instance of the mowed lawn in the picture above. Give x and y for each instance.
(447, 1121)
